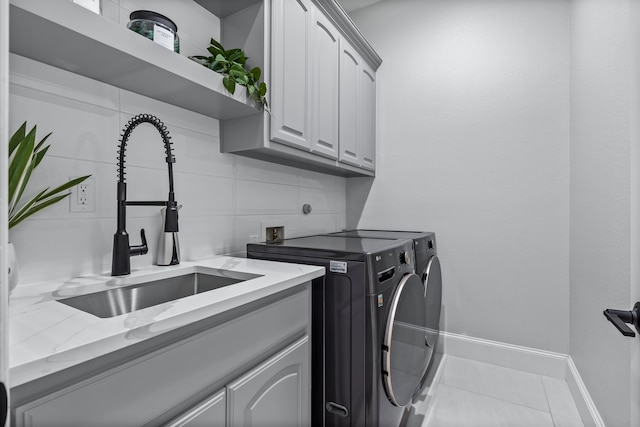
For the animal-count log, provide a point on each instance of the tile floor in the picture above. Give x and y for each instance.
(477, 394)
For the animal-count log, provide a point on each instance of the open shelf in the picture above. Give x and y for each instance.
(65, 35)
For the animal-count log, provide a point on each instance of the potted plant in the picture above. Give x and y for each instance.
(232, 63)
(24, 157)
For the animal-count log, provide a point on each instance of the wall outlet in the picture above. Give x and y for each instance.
(83, 196)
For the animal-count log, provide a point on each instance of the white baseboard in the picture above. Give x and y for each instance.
(508, 355)
(541, 362)
(586, 407)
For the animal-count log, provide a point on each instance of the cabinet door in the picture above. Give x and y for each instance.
(367, 120)
(290, 72)
(349, 117)
(276, 393)
(210, 413)
(325, 55)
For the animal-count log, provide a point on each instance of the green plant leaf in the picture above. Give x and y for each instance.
(65, 186)
(255, 73)
(19, 165)
(39, 156)
(36, 208)
(42, 141)
(231, 63)
(217, 44)
(17, 137)
(221, 58)
(23, 160)
(229, 84)
(20, 190)
(25, 208)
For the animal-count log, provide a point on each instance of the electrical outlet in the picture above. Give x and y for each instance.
(83, 196)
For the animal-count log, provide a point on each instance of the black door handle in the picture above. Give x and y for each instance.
(620, 318)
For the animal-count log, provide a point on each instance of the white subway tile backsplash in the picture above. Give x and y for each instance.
(200, 237)
(227, 200)
(86, 128)
(321, 200)
(259, 170)
(50, 249)
(313, 179)
(265, 198)
(45, 78)
(172, 116)
(200, 154)
(205, 195)
(318, 223)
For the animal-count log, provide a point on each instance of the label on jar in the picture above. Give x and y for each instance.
(163, 36)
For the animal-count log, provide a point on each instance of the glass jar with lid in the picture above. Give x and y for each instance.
(156, 27)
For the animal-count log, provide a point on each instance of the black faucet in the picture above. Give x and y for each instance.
(122, 252)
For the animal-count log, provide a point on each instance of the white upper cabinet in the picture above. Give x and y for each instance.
(290, 72)
(325, 79)
(350, 64)
(320, 73)
(367, 117)
(357, 109)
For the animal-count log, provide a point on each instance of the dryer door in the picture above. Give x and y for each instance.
(432, 279)
(405, 350)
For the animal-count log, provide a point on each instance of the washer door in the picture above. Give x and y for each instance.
(432, 279)
(405, 350)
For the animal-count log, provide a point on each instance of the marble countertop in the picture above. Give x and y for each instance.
(46, 336)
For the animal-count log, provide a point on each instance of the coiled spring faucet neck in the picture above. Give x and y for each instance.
(121, 250)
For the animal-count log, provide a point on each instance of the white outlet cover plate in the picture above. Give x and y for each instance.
(90, 206)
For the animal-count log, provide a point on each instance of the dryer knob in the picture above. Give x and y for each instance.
(405, 257)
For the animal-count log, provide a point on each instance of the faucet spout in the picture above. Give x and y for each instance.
(122, 251)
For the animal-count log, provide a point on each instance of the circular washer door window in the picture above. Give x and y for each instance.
(405, 350)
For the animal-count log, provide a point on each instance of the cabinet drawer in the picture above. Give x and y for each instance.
(147, 388)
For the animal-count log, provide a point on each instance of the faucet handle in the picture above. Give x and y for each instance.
(141, 249)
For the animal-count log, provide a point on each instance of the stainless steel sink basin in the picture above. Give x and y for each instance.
(114, 302)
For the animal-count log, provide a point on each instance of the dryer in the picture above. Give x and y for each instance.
(367, 359)
(427, 266)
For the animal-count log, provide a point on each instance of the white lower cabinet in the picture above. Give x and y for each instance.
(276, 393)
(210, 413)
(250, 369)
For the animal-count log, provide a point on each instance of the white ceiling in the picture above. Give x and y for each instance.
(351, 5)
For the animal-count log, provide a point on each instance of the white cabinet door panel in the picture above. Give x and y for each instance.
(276, 393)
(290, 72)
(349, 117)
(326, 53)
(210, 413)
(367, 131)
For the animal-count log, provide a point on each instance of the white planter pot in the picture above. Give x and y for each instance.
(12, 263)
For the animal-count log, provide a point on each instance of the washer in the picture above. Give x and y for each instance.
(427, 266)
(367, 360)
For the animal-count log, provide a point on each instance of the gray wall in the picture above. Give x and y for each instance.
(473, 143)
(602, 124)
